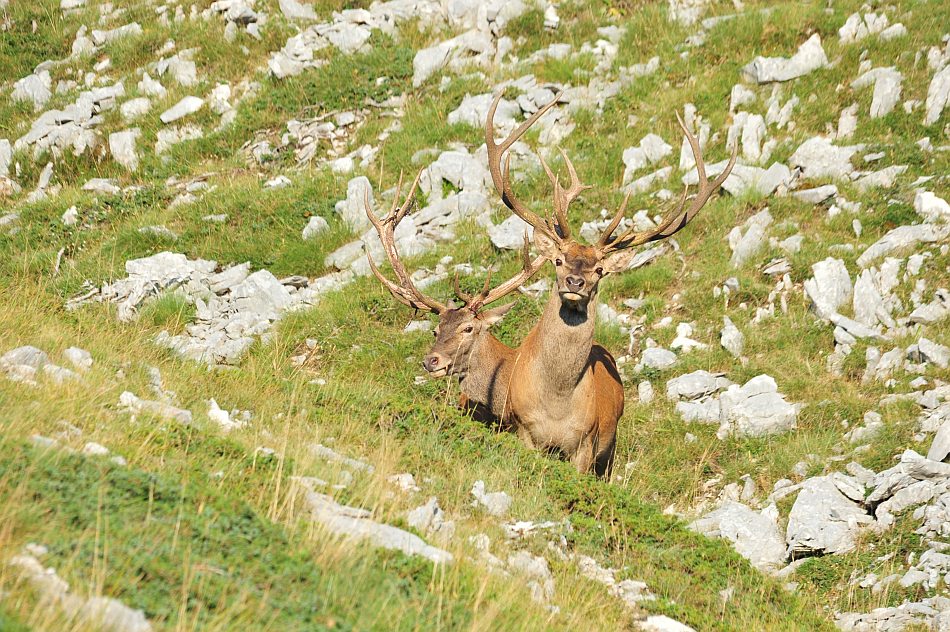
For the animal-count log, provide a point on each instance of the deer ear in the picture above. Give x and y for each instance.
(545, 245)
(619, 261)
(492, 316)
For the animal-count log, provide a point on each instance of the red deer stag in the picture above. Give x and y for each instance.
(464, 346)
(566, 395)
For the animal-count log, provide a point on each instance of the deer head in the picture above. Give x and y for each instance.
(580, 267)
(461, 327)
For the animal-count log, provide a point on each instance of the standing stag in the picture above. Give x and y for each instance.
(464, 346)
(566, 394)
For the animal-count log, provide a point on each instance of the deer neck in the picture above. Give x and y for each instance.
(564, 339)
(489, 373)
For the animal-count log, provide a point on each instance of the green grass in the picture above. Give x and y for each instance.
(202, 532)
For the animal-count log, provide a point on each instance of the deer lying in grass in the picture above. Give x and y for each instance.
(566, 394)
(464, 346)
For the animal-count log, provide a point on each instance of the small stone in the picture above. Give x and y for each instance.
(940, 447)
(71, 216)
(315, 226)
(510, 234)
(135, 108)
(495, 503)
(731, 339)
(122, 147)
(830, 287)
(430, 519)
(887, 89)
(645, 392)
(24, 356)
(931, 207)
(658, 358)
(938, 96)
(278, 182)
(151, 87)
(816, 195)
(79, 358)
(188, 105)
(810, 57)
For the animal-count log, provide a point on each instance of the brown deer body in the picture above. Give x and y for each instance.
(566, 394)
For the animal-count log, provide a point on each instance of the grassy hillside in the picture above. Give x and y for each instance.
(202, 530)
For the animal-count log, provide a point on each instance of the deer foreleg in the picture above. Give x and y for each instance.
(583, 457)
(526, 438)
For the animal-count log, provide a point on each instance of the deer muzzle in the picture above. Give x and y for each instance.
(436, 365)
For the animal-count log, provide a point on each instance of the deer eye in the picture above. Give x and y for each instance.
(599, 271)
(468, 329)
(435, 333)
(558, 262)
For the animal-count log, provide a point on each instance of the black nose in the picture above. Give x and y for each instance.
(574, 282)
(432, 362)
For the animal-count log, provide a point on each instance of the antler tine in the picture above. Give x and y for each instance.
(398, 292)
(405, 291)
(500, 177)
(393, 206)
(563, 198)
(567, 197)
(528, 269)
(530, 217)
(612, 226)
(484, 292)
(680, 218)
(705, 189)
(466, 298)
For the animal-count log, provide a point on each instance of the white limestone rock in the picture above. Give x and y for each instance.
(510, 234)
(810, 57)
(294, 10)
(357, 524)
(887, 89)
(35, 88)
(79, 358)
(823, 520)
(187, 106)
(151, 87)
(122, 147)
(755, 535)
(657, 358)
(695, 385)
(830, 286)
(903, 237)
(495, 503)
(135, 108)
(473, 111)
(755, 409)
(926, 203)
(819, 158)
(316, 225)
(938, 96)
(731, 339)
(352, 209)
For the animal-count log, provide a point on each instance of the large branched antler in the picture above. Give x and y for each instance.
(630, 238)
(562, 198)
(404, 291)
(486, 296)
(408, 294)
(501, 176)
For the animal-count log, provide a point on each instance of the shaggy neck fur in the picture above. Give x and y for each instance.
(489, 371)
(565, 337)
